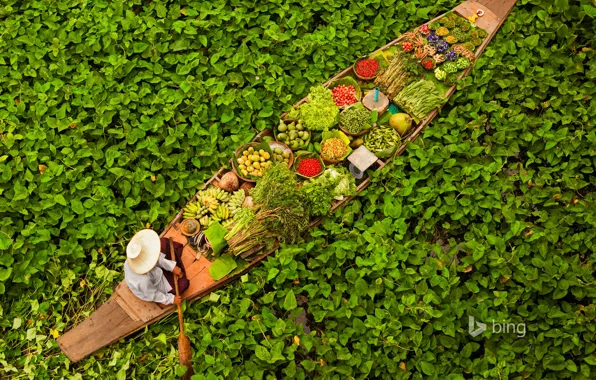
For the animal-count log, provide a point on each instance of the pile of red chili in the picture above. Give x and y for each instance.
(344, 95)
(309, 167)
(367, 68)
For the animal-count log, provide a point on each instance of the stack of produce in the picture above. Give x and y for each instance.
(253, 162)
(334, 183)
(400, 72)
(247, 231)
(280, 155)
(382, 140)
(292, 134)
(344, 95)
(321, 112)
(446, 42)
(334, 149)
(419, 98)
(355, 119)
(367, 68)
(278, 193)
(214, 205)
(309, 167)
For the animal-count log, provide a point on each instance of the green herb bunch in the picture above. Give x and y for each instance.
(278, 191)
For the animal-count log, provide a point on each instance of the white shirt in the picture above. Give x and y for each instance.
(151, 286)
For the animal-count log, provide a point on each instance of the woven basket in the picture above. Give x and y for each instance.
(361, 77)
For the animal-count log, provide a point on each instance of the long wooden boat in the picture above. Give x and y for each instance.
(123, 313)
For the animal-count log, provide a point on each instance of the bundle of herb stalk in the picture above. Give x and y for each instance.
(280, 212)
(402, 71)
(247, 231)
(419, 98)
(278, 190)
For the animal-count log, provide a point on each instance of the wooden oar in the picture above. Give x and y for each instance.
(183, 343)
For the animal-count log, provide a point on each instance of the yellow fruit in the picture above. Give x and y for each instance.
(250, 168)
(251, 149)
(262, 159)
(245, 172)
(245, 153)
(257, 165)
(242, 167)
(267, 155)
(241, 160)
(261, 152)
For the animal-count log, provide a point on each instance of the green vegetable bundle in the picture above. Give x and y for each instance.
(278, 191)
(419, 98)
(333, 183)
(321, 112)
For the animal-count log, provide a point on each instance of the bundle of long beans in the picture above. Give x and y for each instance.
(419, 98)
(395, 77)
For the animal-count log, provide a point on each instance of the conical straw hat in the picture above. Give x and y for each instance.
(143, 250)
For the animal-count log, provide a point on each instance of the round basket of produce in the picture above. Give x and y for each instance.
(357, 120)
(366, 68)
(335, 147)
(346, 91)
(382, 141)
(308, 165)
(190, 227)
(282, 152)
(292, 133)
(251, 159)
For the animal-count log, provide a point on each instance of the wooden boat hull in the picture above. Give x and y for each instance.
(123, 314)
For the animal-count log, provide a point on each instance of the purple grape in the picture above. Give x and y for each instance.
(451, 55)
(442, 46)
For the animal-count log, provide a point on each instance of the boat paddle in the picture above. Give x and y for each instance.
(183, 342)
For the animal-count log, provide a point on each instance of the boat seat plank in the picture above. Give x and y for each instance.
(200, 281)
(136, 308)
(200, 265)
(106, 325)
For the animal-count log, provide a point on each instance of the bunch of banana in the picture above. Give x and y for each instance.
(217, 193)
(208, 202)
(205, 221)
(222, 213)
(194, 210)
(236, 201)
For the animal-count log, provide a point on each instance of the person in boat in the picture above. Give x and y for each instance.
(147, 271)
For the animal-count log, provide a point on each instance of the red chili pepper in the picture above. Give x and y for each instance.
(309, 167)
(344, 95)
(367, 68)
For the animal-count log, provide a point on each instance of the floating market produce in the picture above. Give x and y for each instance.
(253, 162)
(382, 140)
(293, 134)
(320, 112)
(344, 95)
(355, 119)
(419, 98)
(238, 218)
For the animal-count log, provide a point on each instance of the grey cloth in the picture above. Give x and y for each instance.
(153, 285)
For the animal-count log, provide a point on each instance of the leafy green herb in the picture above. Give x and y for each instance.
(320, 112)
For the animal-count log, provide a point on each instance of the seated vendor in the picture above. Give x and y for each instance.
(148, 272)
